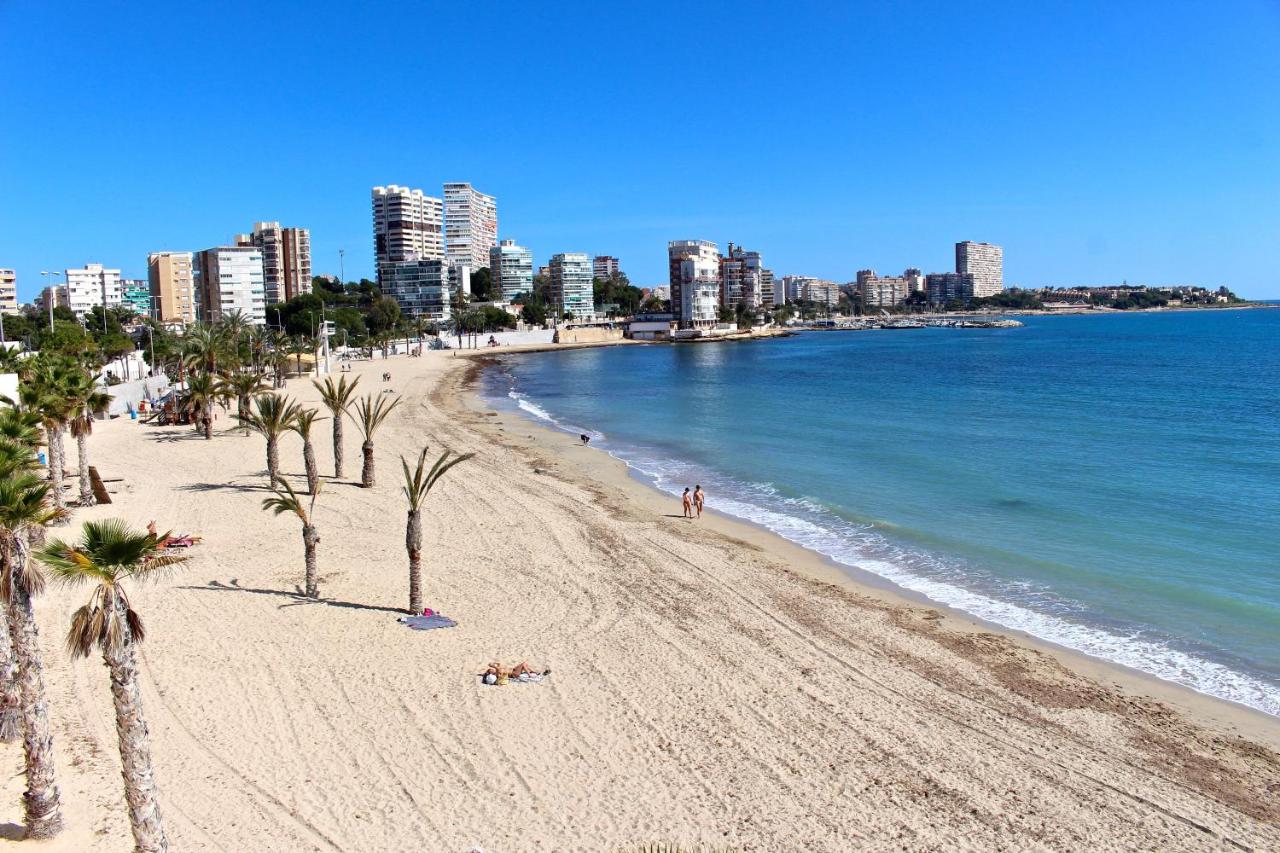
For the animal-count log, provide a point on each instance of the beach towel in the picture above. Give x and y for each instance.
(426, 623)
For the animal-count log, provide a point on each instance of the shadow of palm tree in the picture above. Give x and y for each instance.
(295, 598)
(234, 487)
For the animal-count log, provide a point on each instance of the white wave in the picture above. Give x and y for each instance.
(808, 524)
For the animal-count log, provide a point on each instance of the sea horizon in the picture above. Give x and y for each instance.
(1017, 475)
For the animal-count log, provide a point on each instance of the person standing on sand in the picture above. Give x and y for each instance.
(688, 503)
(699, 498)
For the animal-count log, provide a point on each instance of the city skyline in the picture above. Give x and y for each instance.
(1159, 171)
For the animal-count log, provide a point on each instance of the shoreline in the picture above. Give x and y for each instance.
(602, 468)
(712, 684)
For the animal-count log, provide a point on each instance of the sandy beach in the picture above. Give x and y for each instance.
(711, 683)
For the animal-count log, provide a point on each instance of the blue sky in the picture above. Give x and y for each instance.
(1094, 141)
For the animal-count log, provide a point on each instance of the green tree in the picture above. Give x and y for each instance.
(108, 555)
(481, 284)
(383, 316)
(302, 424)
(87, 402)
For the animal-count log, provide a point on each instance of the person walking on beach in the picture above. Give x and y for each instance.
(699, 498)
(688, 503)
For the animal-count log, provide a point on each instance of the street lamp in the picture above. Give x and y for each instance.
(53, 291)
(342, 269)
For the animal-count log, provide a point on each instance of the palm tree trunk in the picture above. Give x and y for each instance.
(273, 460)
(337, 445)
(57, 459)
(208, 422)
(135, 747)
(366, 473)
(41, 802)
(309, 461)
(242, 412)
(82, 453)
(413, 544)
(309, 539)
(10, 692)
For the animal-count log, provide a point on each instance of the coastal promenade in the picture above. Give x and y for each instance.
(710, 683)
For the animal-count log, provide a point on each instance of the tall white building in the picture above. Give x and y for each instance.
(883, 291)
(420, 287)
(230, 278)
(985, 263)
(694, 270)
(510, 270)
(470, 224)
(8, 291)
(91, 286)
(571, 287)
(286, 259)
(408, 225)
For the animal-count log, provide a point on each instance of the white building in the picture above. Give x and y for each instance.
(510, 270)
(571, 287)
(408, 225)
(8, 292)
(803, 288)
(420, 287)
(699, 292)
(230, 278)
(694, 270)
(985, 263)
(94, 285)
(884, 291)
(470, 224)
(743, 279)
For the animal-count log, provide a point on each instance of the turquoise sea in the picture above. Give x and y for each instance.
(1108, 483)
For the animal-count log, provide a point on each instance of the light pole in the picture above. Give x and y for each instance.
(342, 269)
(53, 292)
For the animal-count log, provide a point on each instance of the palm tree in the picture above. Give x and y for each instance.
(337, 399)
(275, 417)
(44, 393)
(298, 345)
(109, 554)
(24, 506)
(87, 402)
(371, 411)
(243, 385)
(19, 437)
(302, 424)
(289, 501)
(202, 393)
(416, 487)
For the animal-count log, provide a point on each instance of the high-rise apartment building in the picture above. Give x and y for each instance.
(571, 287)
(743, 278)
(169, 275)
(135, 294)
(510, 270)
(92, 286)
(286, 259)
(688, 263)
(883, 291)
(604, 266)
(408, 225)
(420, 287)
(230, 278)
(985, 263)
(8, 292)
(944, 287)
(803, 288)
(470, 224)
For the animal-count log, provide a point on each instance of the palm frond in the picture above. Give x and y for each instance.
(287, 501)
(371, 411)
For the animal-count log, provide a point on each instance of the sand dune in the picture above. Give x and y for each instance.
(709, 683)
